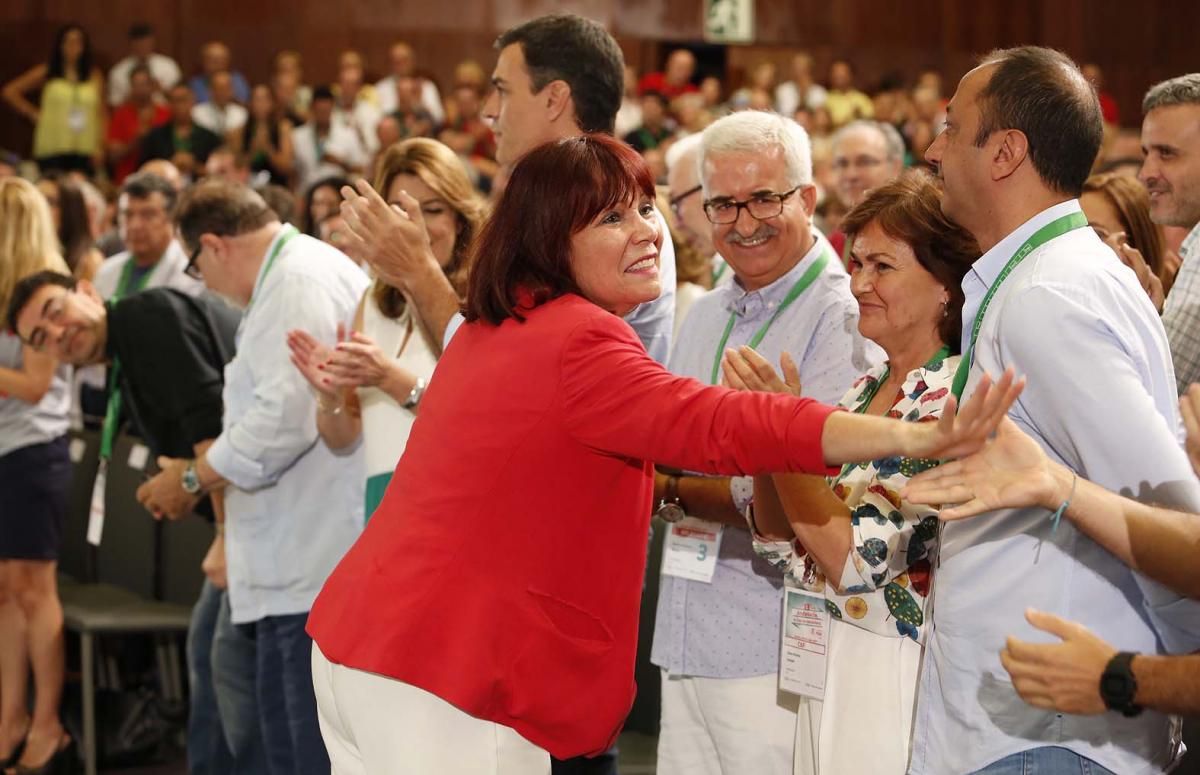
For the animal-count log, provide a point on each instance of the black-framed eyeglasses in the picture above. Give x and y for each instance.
(677, 201)
(191, 270)
(760, 206)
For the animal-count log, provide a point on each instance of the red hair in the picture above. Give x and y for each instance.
(554, 191)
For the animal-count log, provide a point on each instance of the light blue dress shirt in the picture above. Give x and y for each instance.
(293, 507)
(729, 628)
(652, 321)
(1100, 399)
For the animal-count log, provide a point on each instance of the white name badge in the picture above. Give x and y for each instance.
(77, 120)
(95, 527)
(804, 643)
(692, 549)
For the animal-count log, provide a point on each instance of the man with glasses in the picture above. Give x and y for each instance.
(866, 154)
(172, 349)
(152, 258)
(687, 203)
(716, 636)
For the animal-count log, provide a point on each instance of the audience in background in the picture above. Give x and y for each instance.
(402, 63)
(216, 58)
(131, 121)
(843, 100)
(265, 140)
(70, 113)
(164, 72)
(220, 114)
(69, 214)
(181, 141)
(675, 78)
(324, 147)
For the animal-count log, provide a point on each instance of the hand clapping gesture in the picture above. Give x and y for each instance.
(391, 238)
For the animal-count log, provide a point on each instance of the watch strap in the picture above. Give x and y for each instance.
(1118, 685)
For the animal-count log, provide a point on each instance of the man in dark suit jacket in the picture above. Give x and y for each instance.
(181, 141)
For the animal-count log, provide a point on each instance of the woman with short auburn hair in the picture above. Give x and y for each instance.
(487, 617)
(852, 539)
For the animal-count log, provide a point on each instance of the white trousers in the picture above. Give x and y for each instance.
(865, 723)
(373, 725)
(725, 726)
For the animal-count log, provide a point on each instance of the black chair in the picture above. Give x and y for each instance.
(120, 601)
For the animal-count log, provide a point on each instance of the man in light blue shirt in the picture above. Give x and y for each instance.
(293, 507)
(716, 636)
(1049, 298)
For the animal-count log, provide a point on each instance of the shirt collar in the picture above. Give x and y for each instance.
(767, 299)
(988, 266)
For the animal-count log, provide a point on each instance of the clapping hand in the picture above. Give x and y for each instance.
(309, 356)
(745, 369)
(391, 238)
(1132, 258)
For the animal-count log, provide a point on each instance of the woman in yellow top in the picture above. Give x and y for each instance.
(69, 121)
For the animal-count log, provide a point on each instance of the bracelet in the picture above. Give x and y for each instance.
(1057, 516)
(414, 395)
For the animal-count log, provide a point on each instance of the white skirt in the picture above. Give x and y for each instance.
(865, 723)
(374, 725)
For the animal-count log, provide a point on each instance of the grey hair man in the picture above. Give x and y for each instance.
(791, 294)
(1171, 172)
(866, 154)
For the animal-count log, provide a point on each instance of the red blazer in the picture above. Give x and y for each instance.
(503, 570)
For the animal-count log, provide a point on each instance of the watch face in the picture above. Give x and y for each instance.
(671, 512)
(1116, 689)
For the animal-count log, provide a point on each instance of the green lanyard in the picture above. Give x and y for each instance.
(800, 287)
(112, 413)
(285, 235)
(1056, 228)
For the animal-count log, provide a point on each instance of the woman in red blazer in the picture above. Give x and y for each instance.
(488, 614)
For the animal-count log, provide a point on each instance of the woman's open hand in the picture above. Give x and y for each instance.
(964, 432)
(745, 369)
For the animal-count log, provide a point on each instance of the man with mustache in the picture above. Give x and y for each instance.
(716, 636)
(1171, 172)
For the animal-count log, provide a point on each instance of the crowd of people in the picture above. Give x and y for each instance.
(436, 363)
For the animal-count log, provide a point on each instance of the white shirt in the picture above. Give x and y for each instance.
(431, 99)
(167, 273)
(218, 120)
(293, 506)
(1100, 399)
(162, 68)
(787, 97)
(362, 121)
(310, 166)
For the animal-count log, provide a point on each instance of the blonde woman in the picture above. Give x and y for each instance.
(35, 473)
(374, 378)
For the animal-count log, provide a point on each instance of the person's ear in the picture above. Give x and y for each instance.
(558, 100)
(1009, 154)
(808, 198)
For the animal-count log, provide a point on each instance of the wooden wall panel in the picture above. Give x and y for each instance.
(1137, 44)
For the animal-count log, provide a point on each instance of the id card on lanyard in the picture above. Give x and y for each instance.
(805, 643)
(692, 545)
(112, 414)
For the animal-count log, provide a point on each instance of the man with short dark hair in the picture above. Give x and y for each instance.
(171, 349)
(294, 507)
(180, 141)
(1171, 172)
(1050, 298)
(324, 147)
(557, 76)
(163, 70)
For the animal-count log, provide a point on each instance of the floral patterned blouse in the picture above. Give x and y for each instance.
(885, 582)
